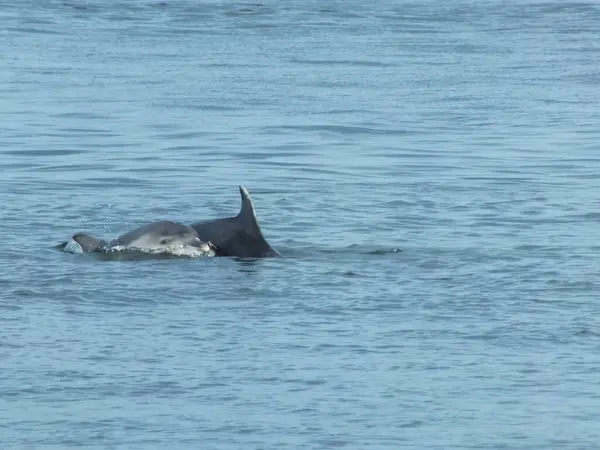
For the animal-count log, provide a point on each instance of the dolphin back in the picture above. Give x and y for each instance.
(240, 235)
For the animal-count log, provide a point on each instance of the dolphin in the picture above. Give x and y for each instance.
(156, 236)
(239, 236)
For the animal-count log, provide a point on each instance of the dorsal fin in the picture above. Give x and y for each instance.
(247, 215)
(88, 243)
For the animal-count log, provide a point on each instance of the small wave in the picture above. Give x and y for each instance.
(371, 251)
(347, 130)
(385, 251)
(353, 249)
(341, 62)
(586, 332)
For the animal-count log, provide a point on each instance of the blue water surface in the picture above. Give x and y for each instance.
(429, 170)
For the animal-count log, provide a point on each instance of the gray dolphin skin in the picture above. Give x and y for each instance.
(160, 235)
(239, 236)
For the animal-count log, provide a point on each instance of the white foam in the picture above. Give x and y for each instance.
(72, 247)
(179, 250)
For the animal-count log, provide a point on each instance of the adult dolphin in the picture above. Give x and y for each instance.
(160, 236)
(239, 236)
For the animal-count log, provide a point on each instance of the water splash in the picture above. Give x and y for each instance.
(121, 253)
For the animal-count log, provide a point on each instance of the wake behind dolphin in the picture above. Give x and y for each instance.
(239, 236)
(156, 237)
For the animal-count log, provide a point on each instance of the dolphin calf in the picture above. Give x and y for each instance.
(239, 236)
(156, 236)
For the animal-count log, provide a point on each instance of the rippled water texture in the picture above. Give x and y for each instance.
(429, 170)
